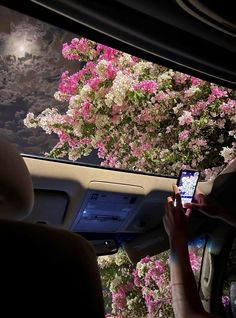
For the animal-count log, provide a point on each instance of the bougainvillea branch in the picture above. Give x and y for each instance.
(139, 115)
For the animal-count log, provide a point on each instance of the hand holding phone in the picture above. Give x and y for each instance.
(187, 183)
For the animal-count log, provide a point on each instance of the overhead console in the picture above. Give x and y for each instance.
(108, 210)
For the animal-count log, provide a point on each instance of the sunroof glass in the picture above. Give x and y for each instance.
(64, 96)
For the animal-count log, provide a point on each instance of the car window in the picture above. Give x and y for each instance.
(142, 290)
(66, 97)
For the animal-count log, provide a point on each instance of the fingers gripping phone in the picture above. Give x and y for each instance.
(187, 183)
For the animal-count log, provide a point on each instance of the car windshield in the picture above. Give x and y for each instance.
(66, 97)
(143, 289)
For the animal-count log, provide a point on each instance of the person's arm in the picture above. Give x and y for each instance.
(185, 298)
(205, 205)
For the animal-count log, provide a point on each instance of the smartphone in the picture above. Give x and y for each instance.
(187, 183)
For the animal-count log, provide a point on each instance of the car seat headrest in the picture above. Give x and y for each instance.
(16, 189)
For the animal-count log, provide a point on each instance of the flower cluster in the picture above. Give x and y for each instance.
(152, 276)
(139, 115)
(121, 297)
(141, 290)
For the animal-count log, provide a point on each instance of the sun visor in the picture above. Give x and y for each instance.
(150, 243)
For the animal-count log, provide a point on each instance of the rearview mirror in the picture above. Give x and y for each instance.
(104, 247)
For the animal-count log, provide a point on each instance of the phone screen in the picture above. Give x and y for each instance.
(187, 182)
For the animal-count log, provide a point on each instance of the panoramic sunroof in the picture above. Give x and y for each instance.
(64, 96)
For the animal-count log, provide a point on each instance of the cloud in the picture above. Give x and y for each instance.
(31, 64)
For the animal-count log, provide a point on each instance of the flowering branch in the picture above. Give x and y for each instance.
(139, 115)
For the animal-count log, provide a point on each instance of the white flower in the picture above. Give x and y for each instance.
(29, 121)
(213, 114)
(186, 118)
(177, 107)
(101, 68)
(192, 90)
(77, 129)
(164, 77)
(116, 282)
(228, 154)
(121, 85)
(57, 95)
(142, 66)
(125, 59)
(75, 101)
(85, 92)
(233, 119)
(232, 133)
(101, 120)
(74, 154)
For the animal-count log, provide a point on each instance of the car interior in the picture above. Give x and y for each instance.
(70, 203)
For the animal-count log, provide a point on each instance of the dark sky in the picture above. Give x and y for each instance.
(31, 64)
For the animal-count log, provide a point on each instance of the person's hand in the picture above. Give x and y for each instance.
(175, 218)
(203, 204)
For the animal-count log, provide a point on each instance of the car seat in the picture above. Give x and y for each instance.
(44, 270)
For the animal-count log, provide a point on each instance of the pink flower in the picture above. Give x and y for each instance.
(196, 81)
(228, 107)
(63, 136)
(137, 281)
(73, 143)
(217, 92)
(86, 110)
(152, 305)
(85, 141)
(169, 128)
(110, 161)
(115, 119)
(160, 266)
(145, 260)
(101, 149)
(119, 298)
(186, 118)
(78, 49)
(147, 86)
(94, 83)
(197, 143)
(145, 116)
(106, 53)
(115, 109)
(184, 135)
(160, 96)
(225, 301)
(153, 276)
(198, 107)
(69, 84)
(110, 71)
(136, 151)
(181, 78)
